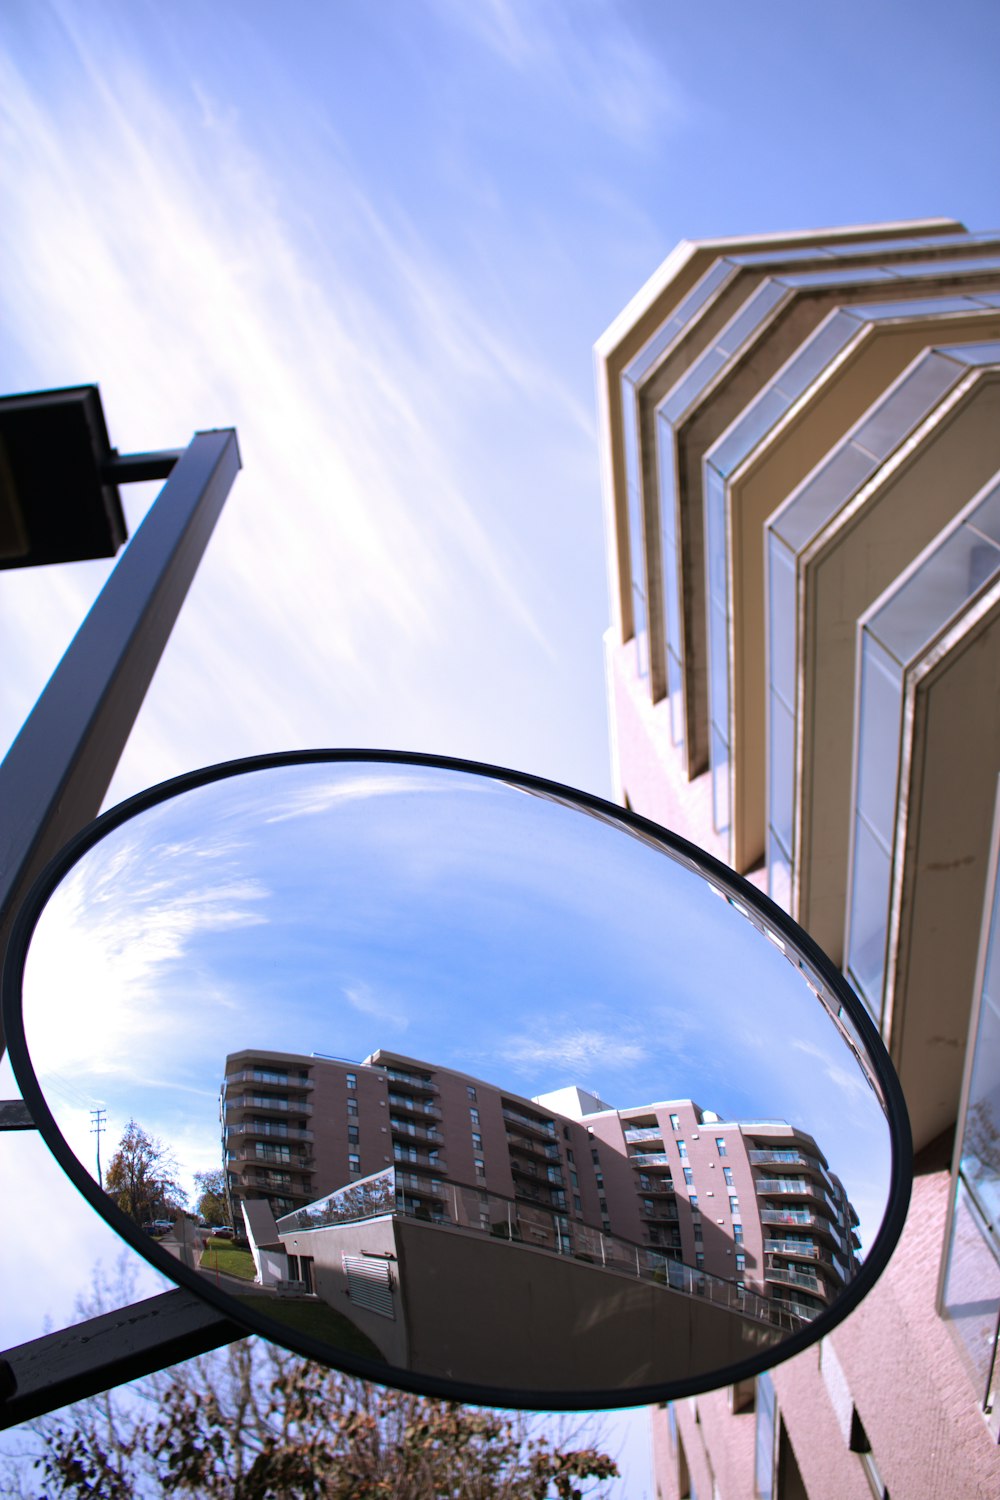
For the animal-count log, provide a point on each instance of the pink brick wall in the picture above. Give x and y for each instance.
(900, 1368)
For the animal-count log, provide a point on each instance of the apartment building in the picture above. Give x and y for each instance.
(753, 1204)
(804, 677)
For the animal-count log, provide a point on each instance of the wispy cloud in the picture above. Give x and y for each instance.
(577, 1049)
(193, 293)
(314, 800)
(383, 1008)
(602, 70)
(99, 969)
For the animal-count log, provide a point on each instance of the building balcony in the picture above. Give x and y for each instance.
(411, 1082)
(796, 1187)
(270, 1079)
(419, 1162)
(793, 1218)
(545, 1128)
(789, 1159)
(534, 1174)
(809, 1281)
(644, 1133)
(428, 1188)
(239, 1102)
(543, 1150)
(797, 1248)
(664, 1215)
(650, 1159)
(405, 1131)
(272, 1182)
(278, 1129)
(246, 1155)
(421, 1109)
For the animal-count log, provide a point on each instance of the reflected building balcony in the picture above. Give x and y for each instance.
(406, 1130)
(413, 1158)
(269, 1078)
(273, 1182)
(236, 1103)
(808, 1281)
(792, 1218)
(796, 1187)
(275, 1128)
(420, 1108)
(412, 1082)
(665, 1213)
(782, 1159)
(644, 1133)
(800, 1249)
(546, 1128)
(650, 1159)
(544, 1150)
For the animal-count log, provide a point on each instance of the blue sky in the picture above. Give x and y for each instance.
(381, 241)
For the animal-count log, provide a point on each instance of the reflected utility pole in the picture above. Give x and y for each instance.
(99, 1118)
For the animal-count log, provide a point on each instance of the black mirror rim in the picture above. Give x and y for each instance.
(901, 1173)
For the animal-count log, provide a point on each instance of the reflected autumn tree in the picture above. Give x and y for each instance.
(141, 1177)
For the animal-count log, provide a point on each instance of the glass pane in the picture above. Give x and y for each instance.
(959, 565)
(675, 692)
(986, 516)
(641, 637)
(823, 494)
(688, 390)
(779, 873)
(906, 405)
(781, 769)
(974, 354)
(719, 756)
(781, 618)
(923, 307)
(981, 1135)
(878, 738)
(972, 1291)
(718, 666)
(816, 353)
(715, 534)
(869, 897)
(751, 317)
(693, 303)
(756, 421)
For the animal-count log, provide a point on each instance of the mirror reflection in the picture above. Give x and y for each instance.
(444, 1076)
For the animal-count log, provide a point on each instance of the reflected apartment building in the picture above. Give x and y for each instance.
(801, 469)
(753, 1204)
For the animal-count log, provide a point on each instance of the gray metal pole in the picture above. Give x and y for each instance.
(52, 782)
(57, 771)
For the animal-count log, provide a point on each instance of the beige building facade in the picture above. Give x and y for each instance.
(803, 670)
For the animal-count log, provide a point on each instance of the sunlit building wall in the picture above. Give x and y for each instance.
(769, 534)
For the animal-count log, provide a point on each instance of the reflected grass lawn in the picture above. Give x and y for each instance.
(221, 1255)
(320, 1321)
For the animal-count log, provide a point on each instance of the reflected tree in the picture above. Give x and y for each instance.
(141, 1177)
(210, 1204)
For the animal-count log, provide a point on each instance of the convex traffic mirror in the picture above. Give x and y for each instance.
(510, 1095)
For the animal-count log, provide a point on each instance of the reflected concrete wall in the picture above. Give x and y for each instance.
(473, 1308)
